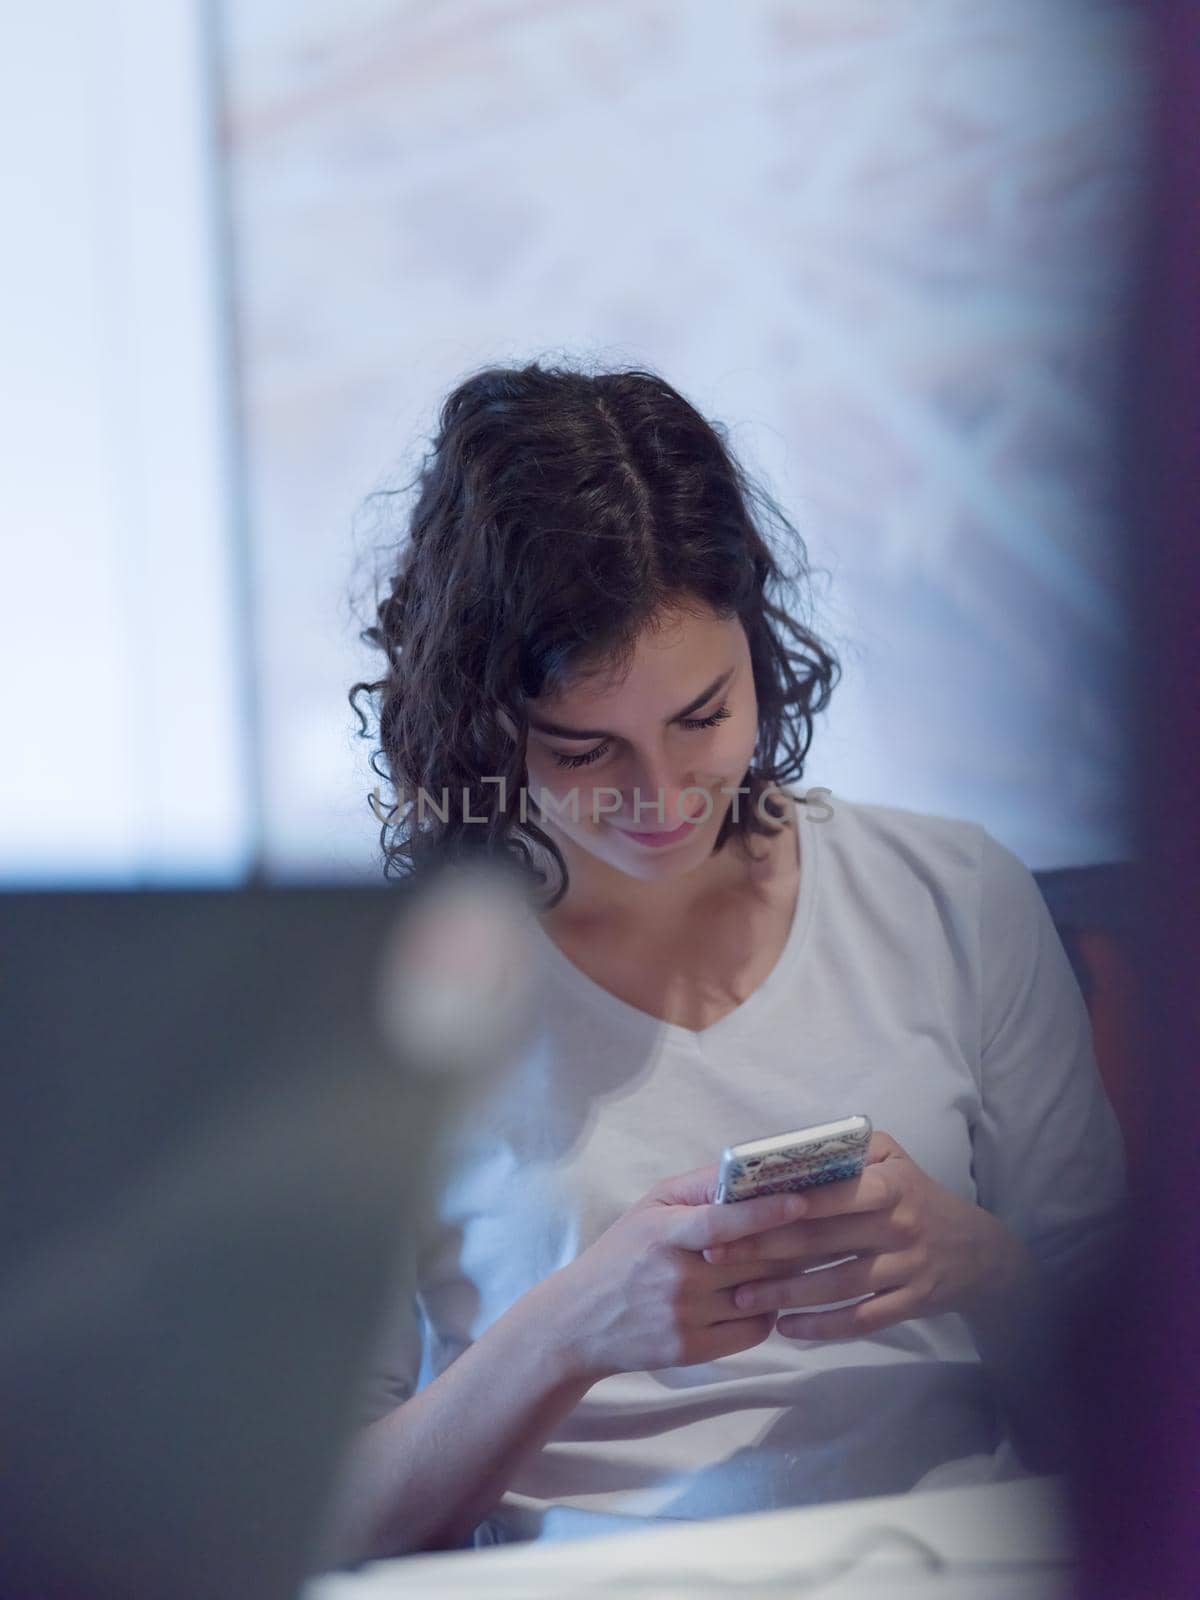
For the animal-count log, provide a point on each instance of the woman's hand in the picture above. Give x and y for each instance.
(643, 1297)
(919, 1250)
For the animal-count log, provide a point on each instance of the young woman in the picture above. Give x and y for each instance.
(586, 638)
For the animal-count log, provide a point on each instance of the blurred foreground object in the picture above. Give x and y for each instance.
(454, 992)
(986, 1541)
(213, 1117)
(1137, 1478)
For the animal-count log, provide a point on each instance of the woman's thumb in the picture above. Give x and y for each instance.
(695, 1188)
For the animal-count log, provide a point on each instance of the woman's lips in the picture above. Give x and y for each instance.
(657, 840)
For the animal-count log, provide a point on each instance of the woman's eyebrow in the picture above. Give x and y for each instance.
(560, 732)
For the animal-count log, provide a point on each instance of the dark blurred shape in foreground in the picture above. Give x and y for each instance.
(211, 1127)
(1137, 1354)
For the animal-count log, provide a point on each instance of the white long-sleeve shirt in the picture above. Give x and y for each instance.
(922, 983)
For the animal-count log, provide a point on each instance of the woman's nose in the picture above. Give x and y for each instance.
(652, 784)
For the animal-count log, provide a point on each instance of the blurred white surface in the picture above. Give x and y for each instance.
(122, 682)
(988, 1540)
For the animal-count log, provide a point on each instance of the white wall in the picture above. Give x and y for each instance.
(123, 682)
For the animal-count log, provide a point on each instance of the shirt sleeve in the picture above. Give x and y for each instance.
(394, 1363)
(1048, 1155)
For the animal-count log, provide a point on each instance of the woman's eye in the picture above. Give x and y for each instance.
(581, 761)
(718, 715)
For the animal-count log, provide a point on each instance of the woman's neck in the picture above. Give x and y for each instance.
(602, 897)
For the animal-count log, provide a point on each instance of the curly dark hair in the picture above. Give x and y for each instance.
(558, 511)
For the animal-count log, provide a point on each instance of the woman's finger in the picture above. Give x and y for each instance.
(853, 1322)
(729, 1275)
(823, 1239)
(721, 1306)
(877, 1188)
(700, 1227)
(871, 1274)
(695, 1188)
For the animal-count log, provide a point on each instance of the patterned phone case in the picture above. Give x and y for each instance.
(796, 1166)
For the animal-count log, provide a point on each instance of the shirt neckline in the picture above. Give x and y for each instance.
(808, 855)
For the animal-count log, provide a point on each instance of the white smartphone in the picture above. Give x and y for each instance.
(824, 1153)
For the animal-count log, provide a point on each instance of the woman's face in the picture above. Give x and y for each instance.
(603, 757)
